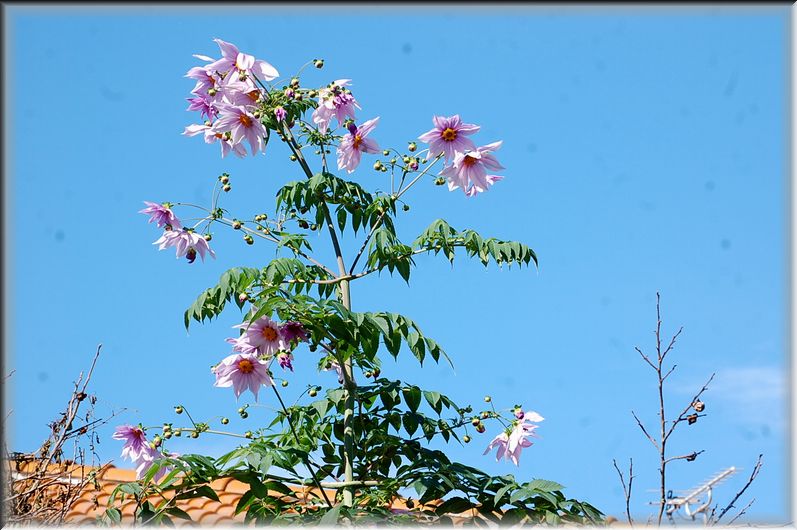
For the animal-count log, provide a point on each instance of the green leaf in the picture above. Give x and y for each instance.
(412, 396)
(331, 517)
(544, 485)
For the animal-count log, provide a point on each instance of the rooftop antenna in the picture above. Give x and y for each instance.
(692, 502)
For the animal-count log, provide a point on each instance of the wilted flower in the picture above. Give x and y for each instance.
(335, 366)
(449, 136)
(162, 214)
(204, 105)
(290, 331)
(284, 359)
(356, 142)
(470, 169)
(261, 336)
(135, 441)
(334, 102)
(242, 371)
(187, 243)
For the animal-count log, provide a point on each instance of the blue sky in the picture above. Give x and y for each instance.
(645, 150)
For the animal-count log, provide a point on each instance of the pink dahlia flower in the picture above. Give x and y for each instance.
(261, 336)
(162, 214)
(335, 101)
(469, 169)
(242, 125)
(187, 242)
(242, 371)
(233, 59)
(135, 441)
(212, 136)
(511, 442)
(147, 459)
(449, 136)
(356, 142)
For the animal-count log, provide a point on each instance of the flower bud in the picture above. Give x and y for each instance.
(466, 438)
(386, 152)
(377, 372)
(319, 63)
(303, 224)
(480, 428)
(691, 458)
(243, 297)
(392, 161)
(236, 224)
(208, 237)
(313, 392)
(244, 414)
(475, 421)
(699, 406)
(485, 415)
(194, 434)
(284, 382)
(377, 165)
(312, 93)
(405, 159)
(157, 441)
(439, 181)
(294, 82)
(406, 207)
(224, 179)
(487, 399)
(178, 409)
(249, 239)
(249, 434)
(225, 421)
(167, 434)
(368, 374)
(412, 147)
(227, 187)
(313, 227)
(692, 418)
(212, 92)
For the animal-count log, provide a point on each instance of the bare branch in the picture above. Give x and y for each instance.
(627, 491)
(742, 512)
(672, 343)
(682, 416)
(645, 357)
(689, 457)
(639, 422)
(668, 373)
(753, 475)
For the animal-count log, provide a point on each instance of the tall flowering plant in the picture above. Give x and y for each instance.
(360, 445)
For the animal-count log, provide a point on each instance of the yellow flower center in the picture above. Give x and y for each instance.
(469, 161)
(245, 366)
(449, 134)
(245, 120)
(269, 334)
(357, 141)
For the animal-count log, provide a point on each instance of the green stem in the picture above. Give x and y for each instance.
(349, 386)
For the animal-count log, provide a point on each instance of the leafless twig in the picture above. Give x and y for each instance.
(753, 475)
(627, 491)
(742, 512)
